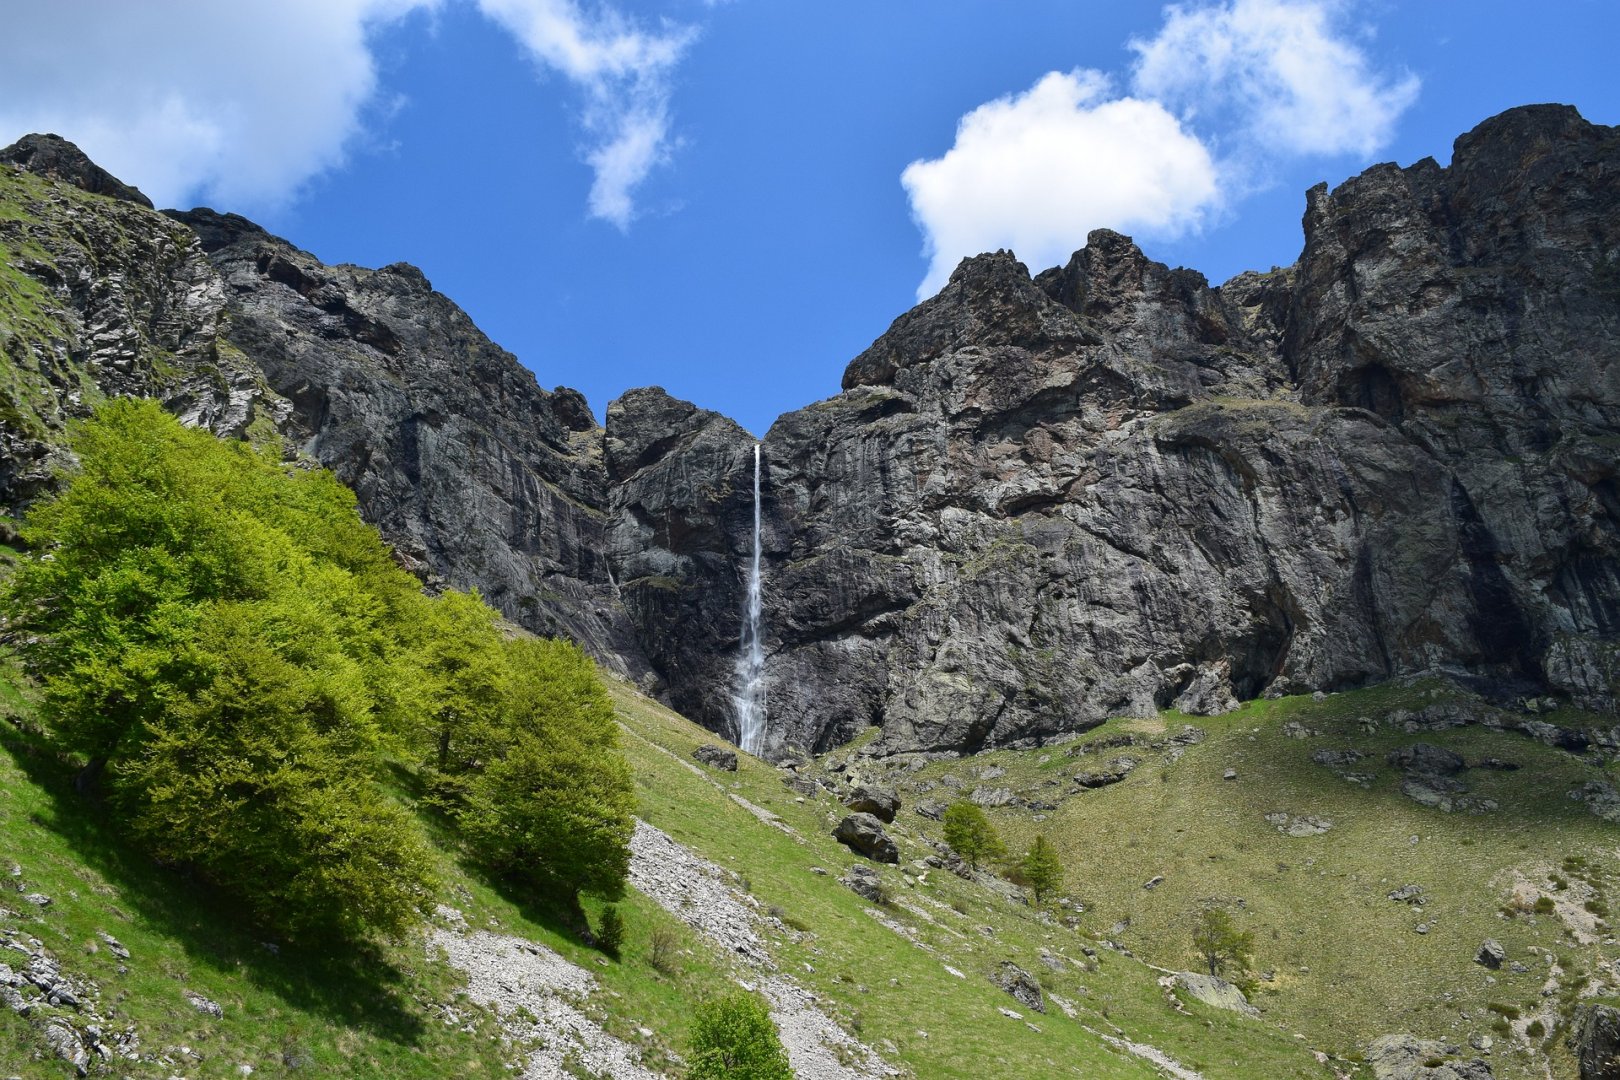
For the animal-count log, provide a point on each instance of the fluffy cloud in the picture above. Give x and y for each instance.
(1262, 80)
(233, 102)
(624, 71)
(1037, 171)
(1282, 69)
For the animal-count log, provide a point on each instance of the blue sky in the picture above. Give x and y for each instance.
(721, 198)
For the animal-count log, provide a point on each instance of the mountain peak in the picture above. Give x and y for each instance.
(59, 159)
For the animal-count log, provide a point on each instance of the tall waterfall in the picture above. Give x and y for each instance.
(750, 696)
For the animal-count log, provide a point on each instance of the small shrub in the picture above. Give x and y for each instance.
(1536, 1029)
(610, 934)
(733, 1039)
(1560, 883)
(1544, 905)
(1511, 1012)
(1501, 1026)
(663, 951)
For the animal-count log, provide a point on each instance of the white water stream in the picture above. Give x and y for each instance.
(749, 700)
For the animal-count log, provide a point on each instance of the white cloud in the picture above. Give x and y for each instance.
(624, 71)
(1260, 80)
(1039, 170)
(1282, 72)
(237, 103)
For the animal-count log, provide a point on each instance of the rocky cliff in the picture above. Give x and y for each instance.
(1039, 500)
(1107, 488)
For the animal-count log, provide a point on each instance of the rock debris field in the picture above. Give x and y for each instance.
(540, 996)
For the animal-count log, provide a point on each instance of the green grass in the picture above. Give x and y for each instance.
(1348, 964)
(897, 993)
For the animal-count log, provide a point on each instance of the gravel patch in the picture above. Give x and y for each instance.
(698, 893)
(529, 986)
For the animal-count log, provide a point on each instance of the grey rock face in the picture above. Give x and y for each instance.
(716, 757)
(55, 157)
(1038, 502)
(1471, 308)
(475, 474)
(1215, 991)
(1596, 1038)
(1405, 1057)
(882, 803)
(1110, 488)
(1491, 954)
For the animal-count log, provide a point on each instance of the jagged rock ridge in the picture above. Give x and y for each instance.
(1038, 501)
(1111, 488)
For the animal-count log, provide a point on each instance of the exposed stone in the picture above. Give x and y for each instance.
(716, 757)
(204, 1005)
(1215, 991)
(1407, 894)
(1595, 1037)
(882, 803)
(1491, 954)
(1039, 502)
(864, 881)
(1299, 825)
(1406, 1057)
(864, 834)
(1020, 984)
(1428, 760)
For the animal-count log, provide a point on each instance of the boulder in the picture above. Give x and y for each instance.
(1427, 760)
(717, 757)
(1020, 984)
(1491, 954)
(1215, 991)
(864, 881)
(1406, 1057)
(864, 834)
(880, 802)
(1595, 1038)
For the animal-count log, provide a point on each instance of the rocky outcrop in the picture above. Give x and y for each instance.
(1595, 1037)
(1111, 488)
(477, 476)
(1038, 501)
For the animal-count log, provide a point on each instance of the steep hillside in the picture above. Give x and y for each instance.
(1368, 906)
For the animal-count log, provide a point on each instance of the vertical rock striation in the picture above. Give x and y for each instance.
(1039, 501)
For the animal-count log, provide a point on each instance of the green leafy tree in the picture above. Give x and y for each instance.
(1221, 945)
(970, 834)
(550, 802)
(218, 637)
(733, 1039)
(1042, 869)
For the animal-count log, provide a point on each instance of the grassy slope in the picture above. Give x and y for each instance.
(1316, 903)
(1349, 963)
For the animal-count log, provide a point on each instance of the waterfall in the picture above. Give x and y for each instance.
(749, 699)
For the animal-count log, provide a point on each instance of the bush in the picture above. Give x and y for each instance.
(970, 834)
(1544, 905)
(663, 950)
(1535, 1029)
(218, 637)
(610, 933)
(733, 1039)
(548, 800)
